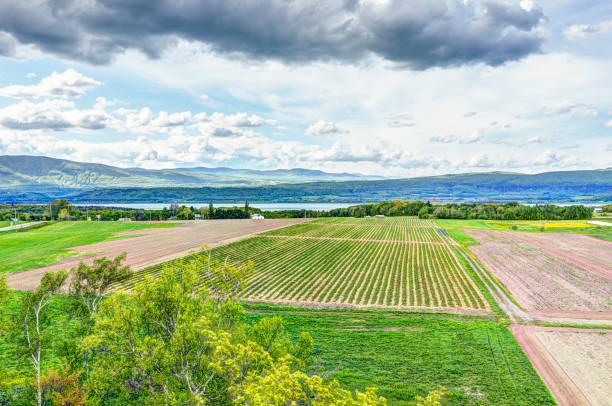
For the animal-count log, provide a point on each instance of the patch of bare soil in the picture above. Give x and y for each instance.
(155, 245)
(575, 364)
(550, 273)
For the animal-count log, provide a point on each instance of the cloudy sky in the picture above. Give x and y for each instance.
(394, 88)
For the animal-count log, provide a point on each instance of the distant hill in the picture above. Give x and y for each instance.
(18, 171)
(560, 186)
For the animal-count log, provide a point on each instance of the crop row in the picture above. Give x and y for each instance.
(388, 231)
(366, 273)
(383, 263)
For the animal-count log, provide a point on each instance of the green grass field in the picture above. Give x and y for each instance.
(403, 354)
(409, 354)
(536, 226)
(453, 227)
(395, 262)
(49, 244)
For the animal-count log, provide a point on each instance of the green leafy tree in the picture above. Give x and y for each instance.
(33, 319)
(89, 285)
(180, 338)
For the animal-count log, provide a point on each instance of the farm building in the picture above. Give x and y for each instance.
(257, 216)
(597, 210)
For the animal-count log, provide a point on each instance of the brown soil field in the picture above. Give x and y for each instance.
(156, 245)
(575, 364)
(551, 274)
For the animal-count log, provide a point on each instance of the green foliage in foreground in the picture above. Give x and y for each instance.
(49, 244)
(168, 342)
(406, 354)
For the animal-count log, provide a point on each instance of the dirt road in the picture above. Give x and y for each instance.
(156, 245)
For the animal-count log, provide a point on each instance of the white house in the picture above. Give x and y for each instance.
(257, 216)
(597, 210)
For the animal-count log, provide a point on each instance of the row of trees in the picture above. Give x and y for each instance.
(62, 209)
(167, 342)
(485, 211)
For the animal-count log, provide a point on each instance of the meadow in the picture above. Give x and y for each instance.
(406, 354)
(398, 262)
(454, 226)
(50, 244)
(403, 354)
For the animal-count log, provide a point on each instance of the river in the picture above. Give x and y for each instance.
(262, 206)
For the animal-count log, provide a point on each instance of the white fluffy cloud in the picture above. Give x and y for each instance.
(323, 128)
(578, 32)
(564, 107)
(474, 136)
(54, 114)
(69, 84)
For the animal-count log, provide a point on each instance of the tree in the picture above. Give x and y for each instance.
(211, 210)
(173, 341)
(184, 213)
(33, 319)
(90, 284)
(63, 213)
(63, 387)
(423, 213)
(246, 208)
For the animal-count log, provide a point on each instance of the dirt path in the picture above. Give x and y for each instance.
(155, 245)
(580, 372)
(515, 313)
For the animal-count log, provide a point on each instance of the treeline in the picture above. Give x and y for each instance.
(483, 211)
(64, 210)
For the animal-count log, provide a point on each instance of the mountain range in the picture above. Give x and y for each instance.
(28, 179)
(44, 172)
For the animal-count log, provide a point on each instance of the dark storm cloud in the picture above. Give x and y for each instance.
(417, 34)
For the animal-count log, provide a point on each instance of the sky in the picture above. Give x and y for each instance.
(378, 87)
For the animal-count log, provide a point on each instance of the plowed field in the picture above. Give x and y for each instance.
(154, 245)
(575, 364)
(550, 273)
(397, 262)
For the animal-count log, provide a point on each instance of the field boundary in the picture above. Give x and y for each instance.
(470, 257)
(339, 306)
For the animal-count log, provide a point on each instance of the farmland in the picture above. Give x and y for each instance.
(560, 356)
(455, 228)
(403, 354)
(550, 273)
(397, 262)
(63, 245)
(49, 244)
